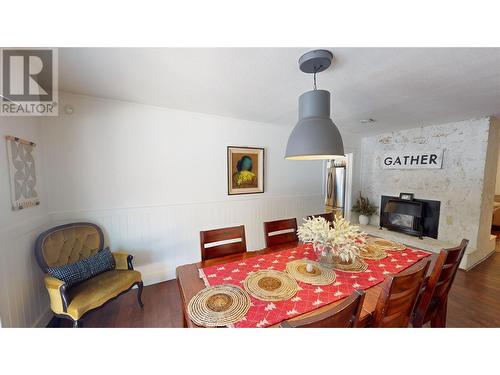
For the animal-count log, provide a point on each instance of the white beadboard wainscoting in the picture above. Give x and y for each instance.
(163, 237)
(24, 299)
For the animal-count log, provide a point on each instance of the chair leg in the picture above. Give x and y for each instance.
(439, 320)
(140, 285)
(417, 320)
(77, 324)
(416, 324)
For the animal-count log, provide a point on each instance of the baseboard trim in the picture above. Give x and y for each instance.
(44, 319)
(155, 277)
(480, 260)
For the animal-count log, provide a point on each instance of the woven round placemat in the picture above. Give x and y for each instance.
(219, 305)
(372, 252)
(319, 276)
(358, 265)
(386, 244)
(270, 285)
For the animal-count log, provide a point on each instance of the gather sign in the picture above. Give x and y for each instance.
(413, 160)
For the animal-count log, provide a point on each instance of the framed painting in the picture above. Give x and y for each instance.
(245, 170)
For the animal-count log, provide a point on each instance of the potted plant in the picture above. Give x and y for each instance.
(339, 242)
(365, 209)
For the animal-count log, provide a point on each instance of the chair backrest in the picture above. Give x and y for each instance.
(345, 315)
(68, 243)
(440, 281)
(328, 216)
(398, 297)
(280, 232)
(214, 236)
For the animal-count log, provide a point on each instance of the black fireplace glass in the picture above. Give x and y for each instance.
(401, 220)
(424, 215)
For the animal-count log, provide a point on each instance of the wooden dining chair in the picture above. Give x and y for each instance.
(345, 315)
(432, 303)
(328, 216)
(280, 232)
(212, 248)
(398, 297)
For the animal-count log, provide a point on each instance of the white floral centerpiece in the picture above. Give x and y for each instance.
(340, 241)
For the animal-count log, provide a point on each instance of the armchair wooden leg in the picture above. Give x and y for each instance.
(439, 320)
(140, 285)
(77, 324)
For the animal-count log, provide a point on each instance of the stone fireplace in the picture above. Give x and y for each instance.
(417, 217)
(465, 183)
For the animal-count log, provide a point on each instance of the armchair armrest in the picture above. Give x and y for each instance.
(123, 261)
(57, 293)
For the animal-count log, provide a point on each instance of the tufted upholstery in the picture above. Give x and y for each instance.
(68, 244)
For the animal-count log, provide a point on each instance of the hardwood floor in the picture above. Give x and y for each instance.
(473, 302)
(162, 308)
(474, 299)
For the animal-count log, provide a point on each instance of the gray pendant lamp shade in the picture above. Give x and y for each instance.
(315, 137)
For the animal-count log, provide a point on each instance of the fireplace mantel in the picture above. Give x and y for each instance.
(426, 243)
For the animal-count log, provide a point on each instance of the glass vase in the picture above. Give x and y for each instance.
(325, 255)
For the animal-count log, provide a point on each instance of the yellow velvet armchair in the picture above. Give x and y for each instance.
(68, 244)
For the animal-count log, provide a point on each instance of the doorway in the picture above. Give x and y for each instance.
(338, 185)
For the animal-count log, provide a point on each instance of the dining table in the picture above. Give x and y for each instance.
(190, 283)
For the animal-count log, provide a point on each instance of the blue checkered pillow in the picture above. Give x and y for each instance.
(84, 269)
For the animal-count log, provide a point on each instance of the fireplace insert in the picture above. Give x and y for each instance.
(416, 217)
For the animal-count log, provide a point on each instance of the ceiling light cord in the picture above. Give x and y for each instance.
(316, 69)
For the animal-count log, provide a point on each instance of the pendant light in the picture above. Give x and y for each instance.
(315, 137)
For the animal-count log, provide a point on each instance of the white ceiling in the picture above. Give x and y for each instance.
(399, 87)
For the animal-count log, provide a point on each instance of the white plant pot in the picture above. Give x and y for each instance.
(364, 220)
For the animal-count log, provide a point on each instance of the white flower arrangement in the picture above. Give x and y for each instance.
(342, 238)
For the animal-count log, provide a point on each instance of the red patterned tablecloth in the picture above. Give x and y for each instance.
(309, 297)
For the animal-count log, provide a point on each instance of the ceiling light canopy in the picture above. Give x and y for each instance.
(368, 121)
(315, 137)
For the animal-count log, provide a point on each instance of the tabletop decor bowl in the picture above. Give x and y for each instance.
(340, 242)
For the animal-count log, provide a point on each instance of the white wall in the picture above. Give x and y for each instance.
(460, 185)
(23, 299)
(154, 177)
(497, 184)
(485, 242)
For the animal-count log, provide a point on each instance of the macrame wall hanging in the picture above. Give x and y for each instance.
(22, 173)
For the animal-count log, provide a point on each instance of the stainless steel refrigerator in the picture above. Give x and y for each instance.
(335, 186)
